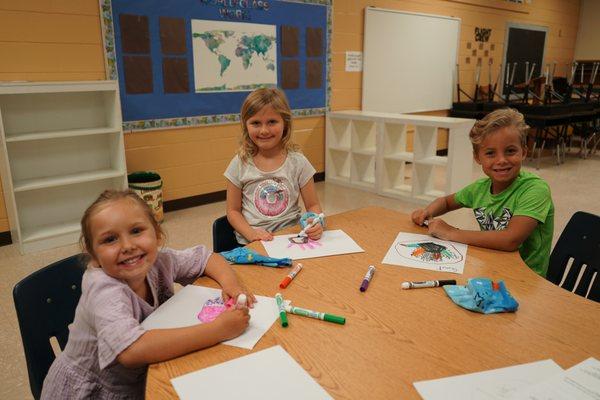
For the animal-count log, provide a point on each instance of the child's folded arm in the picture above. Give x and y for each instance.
(509, 239)
(439, 206)
(165, 344)
(219, 269)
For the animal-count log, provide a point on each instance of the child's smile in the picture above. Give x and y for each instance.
(265, 129)
(125, 243)
(500, 155)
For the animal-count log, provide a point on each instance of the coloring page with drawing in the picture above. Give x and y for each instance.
(199, 304)
(426, 252)
(331, 243)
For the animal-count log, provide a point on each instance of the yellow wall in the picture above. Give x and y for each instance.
(60, 40)
(588, 45)
(560, 16)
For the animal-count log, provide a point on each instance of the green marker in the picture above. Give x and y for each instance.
(314, 314)
(282, 314)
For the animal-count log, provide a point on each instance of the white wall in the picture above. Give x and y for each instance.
(587, 46)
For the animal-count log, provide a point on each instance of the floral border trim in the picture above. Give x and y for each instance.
(108, 33)
(187, 122)
(219, 119)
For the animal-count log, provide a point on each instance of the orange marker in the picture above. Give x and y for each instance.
(286, 281)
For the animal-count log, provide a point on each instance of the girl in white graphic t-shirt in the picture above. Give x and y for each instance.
(268, 175)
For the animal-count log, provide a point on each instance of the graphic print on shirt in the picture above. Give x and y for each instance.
(271, 197)
(487, 222)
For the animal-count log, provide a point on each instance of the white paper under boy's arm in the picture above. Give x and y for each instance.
(496, 384)
(332, 243)
(182, 310)
(581, 382)
(392, 256)
(268, 374)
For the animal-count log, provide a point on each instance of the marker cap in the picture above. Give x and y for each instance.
(335, 319)
(364, 285)
(241, 300)
(285, 282)
(284, 320)
(405, 285)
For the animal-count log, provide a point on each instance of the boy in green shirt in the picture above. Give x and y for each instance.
(513, 208)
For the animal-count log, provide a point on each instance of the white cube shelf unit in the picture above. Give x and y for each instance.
(61, 145)
(367, 150)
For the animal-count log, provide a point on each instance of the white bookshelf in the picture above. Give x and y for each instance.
(61, 145)
(368, 150)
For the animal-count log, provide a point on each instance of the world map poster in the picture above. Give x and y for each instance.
(233, 56)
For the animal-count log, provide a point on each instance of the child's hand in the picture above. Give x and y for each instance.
(315, 232)
(234, 291)
(420, 216)
(260, 234)
(233, 322)
(440, 229)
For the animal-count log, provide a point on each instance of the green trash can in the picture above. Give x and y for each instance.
(148, 185)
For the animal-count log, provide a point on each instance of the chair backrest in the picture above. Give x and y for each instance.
(580, 241)
(223, 236)
(45, 302)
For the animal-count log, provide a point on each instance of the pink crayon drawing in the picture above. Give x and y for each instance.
(213, 308)
(311, 244)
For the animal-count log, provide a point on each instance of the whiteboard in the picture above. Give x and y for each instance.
(409, 61)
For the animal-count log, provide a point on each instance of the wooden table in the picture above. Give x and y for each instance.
(395, 337)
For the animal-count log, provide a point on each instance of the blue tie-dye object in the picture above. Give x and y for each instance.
(482, 295)
(244, 255)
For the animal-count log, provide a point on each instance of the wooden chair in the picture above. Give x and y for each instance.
(579, 241)
(45, 302)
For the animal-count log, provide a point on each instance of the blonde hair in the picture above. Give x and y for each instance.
(110, 196)
(501, 118)
(255, 102)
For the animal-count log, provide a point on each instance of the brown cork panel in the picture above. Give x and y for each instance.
(289, 41)
(135, 36)
(138, 74)
(314, 42)
(314, 74)
(172, 35)
(175, 75)
(469, 45)
(290, 74)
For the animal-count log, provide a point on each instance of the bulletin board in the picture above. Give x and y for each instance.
(192, 62)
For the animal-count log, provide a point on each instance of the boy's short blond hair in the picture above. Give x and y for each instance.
(501, 118)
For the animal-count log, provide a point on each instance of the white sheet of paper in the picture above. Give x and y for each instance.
(332, 243)
(581, 382)
(496, 384)
(268, 374)
(406, 252)
(354, 61)
(182, 310)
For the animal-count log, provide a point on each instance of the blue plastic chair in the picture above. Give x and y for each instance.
(223, 235)
(580, 240)
(45, 302)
